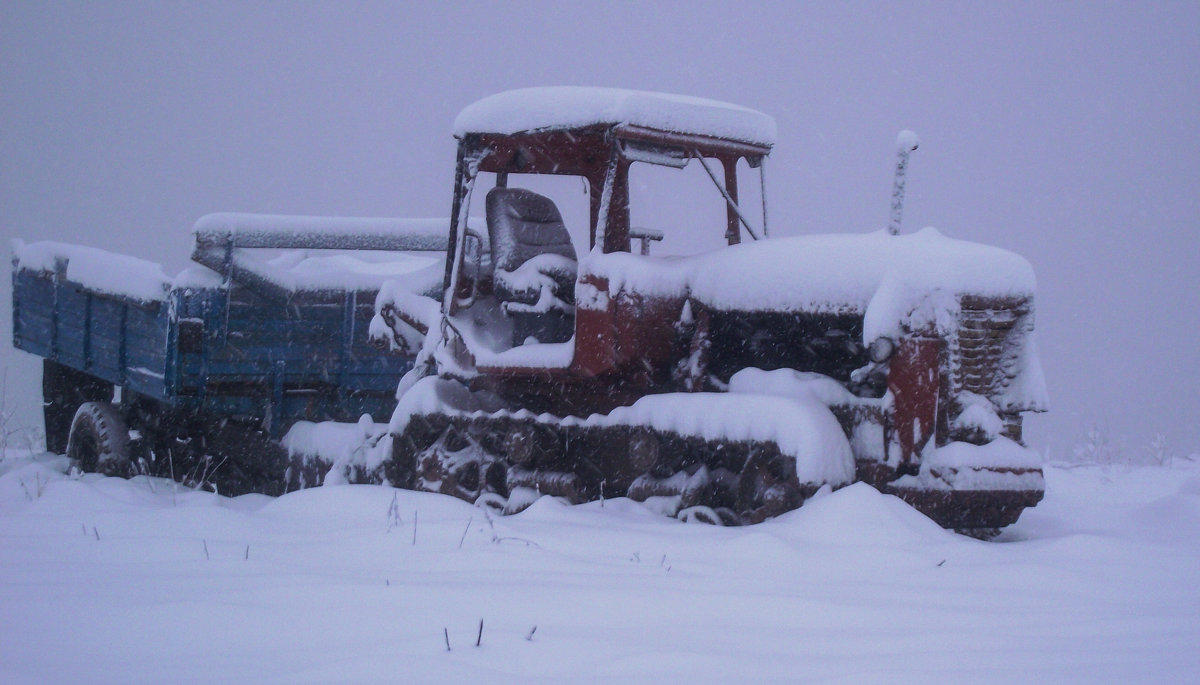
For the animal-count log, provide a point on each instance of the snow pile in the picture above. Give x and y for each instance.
(103, 271)
(910, 279)
(533, 109)
(151, 582)
(858, 515)
(529, 355)
(667, 276)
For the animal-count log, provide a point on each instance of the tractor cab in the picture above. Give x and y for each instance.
(548, 170)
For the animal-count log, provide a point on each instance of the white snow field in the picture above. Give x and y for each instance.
(141, 581)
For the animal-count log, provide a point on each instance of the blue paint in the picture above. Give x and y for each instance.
(253, 357)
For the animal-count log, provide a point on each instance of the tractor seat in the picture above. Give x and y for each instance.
(534, 264)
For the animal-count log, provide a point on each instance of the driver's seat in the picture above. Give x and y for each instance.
(534, 264)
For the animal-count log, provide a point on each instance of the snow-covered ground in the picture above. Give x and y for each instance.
(107, 580)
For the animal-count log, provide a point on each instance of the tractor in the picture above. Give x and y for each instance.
(728, 385)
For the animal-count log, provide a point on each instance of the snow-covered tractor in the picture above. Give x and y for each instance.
(553, 355)
(727, 386)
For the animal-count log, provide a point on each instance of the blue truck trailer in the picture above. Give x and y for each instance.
(199, 376)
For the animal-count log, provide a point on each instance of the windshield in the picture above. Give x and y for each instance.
(688, 208)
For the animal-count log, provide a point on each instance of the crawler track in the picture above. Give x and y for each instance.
(506, 461)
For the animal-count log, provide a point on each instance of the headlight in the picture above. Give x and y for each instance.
(881, 350)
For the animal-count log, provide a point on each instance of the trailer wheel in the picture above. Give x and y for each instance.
(63, 391)
(99, 439)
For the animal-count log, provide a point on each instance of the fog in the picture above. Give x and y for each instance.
(1066, 132)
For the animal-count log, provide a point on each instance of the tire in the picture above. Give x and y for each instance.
(63, 391)
(99, 440)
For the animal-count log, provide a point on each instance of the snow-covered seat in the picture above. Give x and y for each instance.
(534, 264)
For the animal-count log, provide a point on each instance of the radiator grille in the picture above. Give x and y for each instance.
(986, 354)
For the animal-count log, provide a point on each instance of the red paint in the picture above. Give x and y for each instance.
(914, 381)
(595, 332)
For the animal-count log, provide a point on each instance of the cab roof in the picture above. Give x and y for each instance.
(532, 110)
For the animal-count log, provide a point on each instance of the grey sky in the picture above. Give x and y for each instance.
(1064, 131)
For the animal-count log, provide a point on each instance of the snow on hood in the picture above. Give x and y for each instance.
(840, 273)
(532, 109)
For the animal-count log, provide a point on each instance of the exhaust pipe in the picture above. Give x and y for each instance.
(906, 142)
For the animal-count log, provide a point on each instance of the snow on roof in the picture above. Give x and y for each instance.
(532, 109)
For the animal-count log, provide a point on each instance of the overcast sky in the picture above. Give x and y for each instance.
(1067, 132)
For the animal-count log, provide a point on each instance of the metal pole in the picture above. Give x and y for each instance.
(732, 204)
(762, 188)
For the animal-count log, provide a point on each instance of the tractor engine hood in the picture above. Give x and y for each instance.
(840, 274)
(917, 285)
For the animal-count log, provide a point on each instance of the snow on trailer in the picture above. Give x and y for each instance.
(366, 252)
(270, 327)
(603, 374)
(105, 272)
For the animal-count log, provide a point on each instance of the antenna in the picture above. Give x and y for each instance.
(906, 142)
